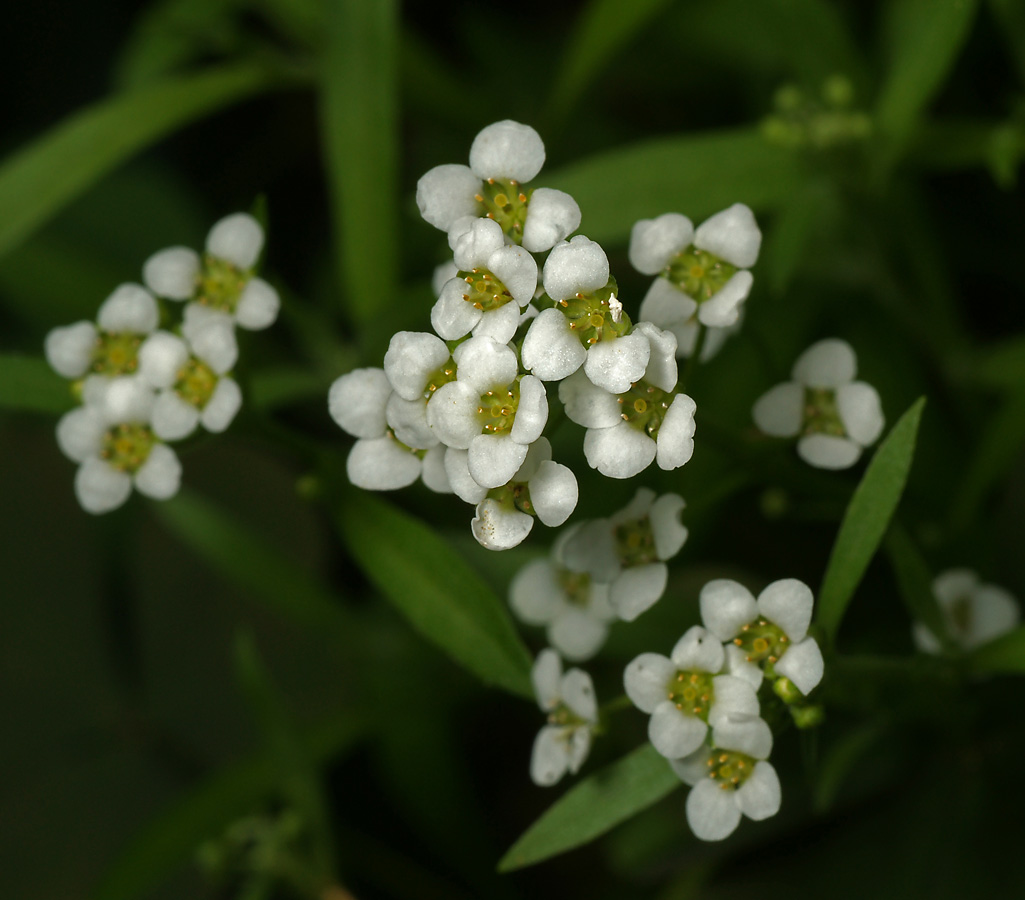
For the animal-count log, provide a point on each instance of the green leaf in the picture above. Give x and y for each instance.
(271, 388)
(696, 174)
(359, 115)
(1006, 654)
(923, 41)
(1010, 16)
(593, 806)
(436, 590)
(867, 517)
(28, 383)
(46, 175)
(793, 231)
(170, 841)
(1001, 366)
(914, 579)
(844, 756)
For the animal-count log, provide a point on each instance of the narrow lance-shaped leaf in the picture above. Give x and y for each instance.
(914, 579)
(436, 590)
(28, 383)
(38, 180)
(593, 806)
(867, 518)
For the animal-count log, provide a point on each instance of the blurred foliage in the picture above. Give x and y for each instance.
(880, 145)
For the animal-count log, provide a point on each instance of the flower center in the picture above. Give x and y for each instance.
(644, 407)
(576, 586)
(196, 383)
(438, 377)
(692, 693)
(762, 641)
(116, 354)
(821, 415)
(505, 202)
(484, 289)
(127, 446)
(730, 769)
(960, 613)
(219, 284)
(635, 543)
(561, 714)
(698, 273)
(497, 410)
(596, 316)
(515, 494)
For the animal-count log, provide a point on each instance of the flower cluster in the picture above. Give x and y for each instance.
(974, 613)
(142, 386)
(703, 698)
(466, 407)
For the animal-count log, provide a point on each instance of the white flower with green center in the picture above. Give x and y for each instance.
(975, 613)
(586, 325)
(731, 778)
(358, 402)
(648, 422)
(572, 710)
(489, 410)
(417, 363)
(702, 273)
(191, 389)
(627, 551)
(684, 693)
(493, 283)
(833, 416)
(116, 449)
(223, 279)
(767, 635)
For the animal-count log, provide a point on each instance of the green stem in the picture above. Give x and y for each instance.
(692, 362)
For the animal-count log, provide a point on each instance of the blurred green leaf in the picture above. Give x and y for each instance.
(359, 113)
(914, 579)
(843, 756)
(436, 590)
(593, 806)
(1006, 654)
(272, 388)
(697, 175)
(867, 517)
(1010, 16)
(170, 841)
(923, 39)
(1000, 366)
(38, 180)
(800, 217)
(28, 383)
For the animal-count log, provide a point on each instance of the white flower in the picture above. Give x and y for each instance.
(684, 693)
(730, 778)
(489, 410)
(770, 631)
(222, 279)
(494, 282)
(975, 613)
(835, 416)
(563, 744)
(116, 449)
(503, 155)
(627, 551)
(703, 272)
(648, 422)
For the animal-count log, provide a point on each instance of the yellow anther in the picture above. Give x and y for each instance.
(478, 198)
(522, 197)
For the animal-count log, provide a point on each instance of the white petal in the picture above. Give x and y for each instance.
(760, 796)
(576, 266)
(80, 433)
(223, 406)
(675, 733)
(446, 194)
(411, 357)
(458, 472)
(237, 238)
(577, 635)
(788, 603)
(494, 458)
(433, 470)
(693, 768)
(802, 664)
(579, 746)
(498, 527)
(161, 355)
(712, 812)
(666, 305)
(160, 476)
(69, 349)
(687, 337)
(499, 324)
(733, 697)
(131, 308)
(661, 370)
(531, 411)
(638, 508)
(588, 405)
(485, 364)
(517, 270)
(698, 651)
(211, 334)
(615, 364)
(743, 733)
(954, 585)
(552, 216)
(723, 309)
(173, 418)
(452, 414)
(578, 694)
(647, 680)
(669, 533)
(924, 639)
(258, 306)
(443, 273)
(725, 607)
(535, 594)
(827, 364)
(537, 453)
(172, 273)
(473, 241)
(618, 452)
(550, 349)
(737, 665)
(860, 411)
(128, 399)
(553, 493)
(452, 317)
(408, 421)
(380, 464)
(637, 589)
(675, 442)
(357, 402)
(825, 451)
(507, 149)
(779, 412)
(732, 235)
(589, 547)
(100, 487)
(653, 242)
(549, 759)
(994, 612)
(546, 677)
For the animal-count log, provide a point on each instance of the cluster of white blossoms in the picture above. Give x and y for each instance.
(974, 613)
(522, 304)
(703, 697)
(833, 416)
(142, 386)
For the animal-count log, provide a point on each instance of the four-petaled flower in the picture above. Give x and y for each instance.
(568, 699)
